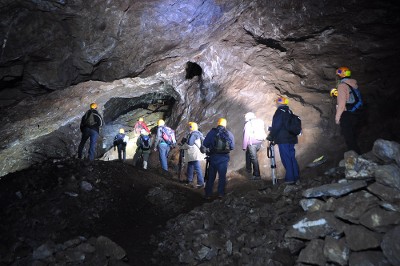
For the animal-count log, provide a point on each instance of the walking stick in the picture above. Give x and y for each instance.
(181, 162)
(207, 167)
(271, 155)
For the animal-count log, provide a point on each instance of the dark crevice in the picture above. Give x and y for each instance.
(192, 70)
(269, 42)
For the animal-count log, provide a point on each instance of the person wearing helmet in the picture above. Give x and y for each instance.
(165, 140)
(143, 149)
(286, 141)
(120, 142)
(193, 154)
(253, 136)
(90, 128)
(346, 118)
(139, 125)
(219, 142)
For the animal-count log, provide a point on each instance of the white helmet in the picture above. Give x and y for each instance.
(249, 116)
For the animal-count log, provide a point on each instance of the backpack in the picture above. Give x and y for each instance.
(258, 129)
(355, 101)
(293, 124)
(222, 142)
(168, 135)
(145, 142)
(119, 139)
(88, 119)
(202, 148)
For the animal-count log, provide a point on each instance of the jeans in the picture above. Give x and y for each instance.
(289, 161)
(163, 150)
(218, 164)
(93, 135)
(195, 166)
(252, 159)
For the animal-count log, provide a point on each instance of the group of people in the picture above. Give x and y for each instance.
(218, 142)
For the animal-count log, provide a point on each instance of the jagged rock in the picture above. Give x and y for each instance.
(353, 206)
(359, 168)
(386, 193)
(387, 151)
(368, 258)
(316, 225)
(335, 190)
(312, 204)
(336, 250)
(313, 253)
(388, 175)
(391, 245)
(360, 238)
(380, 220)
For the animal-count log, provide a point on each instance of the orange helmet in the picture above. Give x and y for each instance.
(282, 100)
(343, 72)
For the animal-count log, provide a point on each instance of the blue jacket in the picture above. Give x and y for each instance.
(209, 140)
(279, 133)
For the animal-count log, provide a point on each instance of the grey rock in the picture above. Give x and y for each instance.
(360, 238)
(387, 151)
(384, 192)
(334, 190)
(312, 204)
(359, 168)
(388, 175)
(336, 250)
(368, 258)
(44, 251)
(380, 220)
(313, 253)
(391, 245)
(353, 206)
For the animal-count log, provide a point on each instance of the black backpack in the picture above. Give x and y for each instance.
(293, 123)
(119, 139)
(222, 142)
(145, 142)
(88, 119)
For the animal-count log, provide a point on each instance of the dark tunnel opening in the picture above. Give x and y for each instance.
(192, 70)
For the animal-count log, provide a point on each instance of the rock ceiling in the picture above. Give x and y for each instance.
(207, 59)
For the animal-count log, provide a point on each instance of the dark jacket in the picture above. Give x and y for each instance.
(97, 119)
(209, 140)
(279, 133)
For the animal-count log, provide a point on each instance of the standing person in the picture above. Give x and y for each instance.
(139, 125)
(165, 139)
(285, 140)
(347, 102)
(120, 142)
(220, 142)
(90, 128)
(143, 149)
(253, 136)
(193, 155)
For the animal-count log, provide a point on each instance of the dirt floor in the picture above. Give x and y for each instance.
(48, 201)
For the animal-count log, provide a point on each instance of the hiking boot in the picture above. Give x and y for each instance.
(200, 186)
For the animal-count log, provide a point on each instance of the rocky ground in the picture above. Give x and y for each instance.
(112, 212)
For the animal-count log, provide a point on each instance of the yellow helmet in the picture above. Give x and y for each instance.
(160, 122)
(121, 130)
(222, 122)
(334, 92)
(343, 72)
(93, 106)
(141, 119)
(193, 126)
(282, 100)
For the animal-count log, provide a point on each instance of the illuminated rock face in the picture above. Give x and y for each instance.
(211, 59)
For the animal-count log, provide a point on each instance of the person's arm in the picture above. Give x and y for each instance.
(341, 101)
(277, 123)
(232, 144)
(158, 137)
(208, 141)
(145, 127)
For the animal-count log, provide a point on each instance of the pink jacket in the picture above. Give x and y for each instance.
(248, 136)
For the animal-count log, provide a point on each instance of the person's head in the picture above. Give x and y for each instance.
(193, 126)
(93, 106)
(282, 101)
(222, 122)
(121, 130)
(160, 122)
(143, 131)
(343, 72)
(141, 119)
(249, 116)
